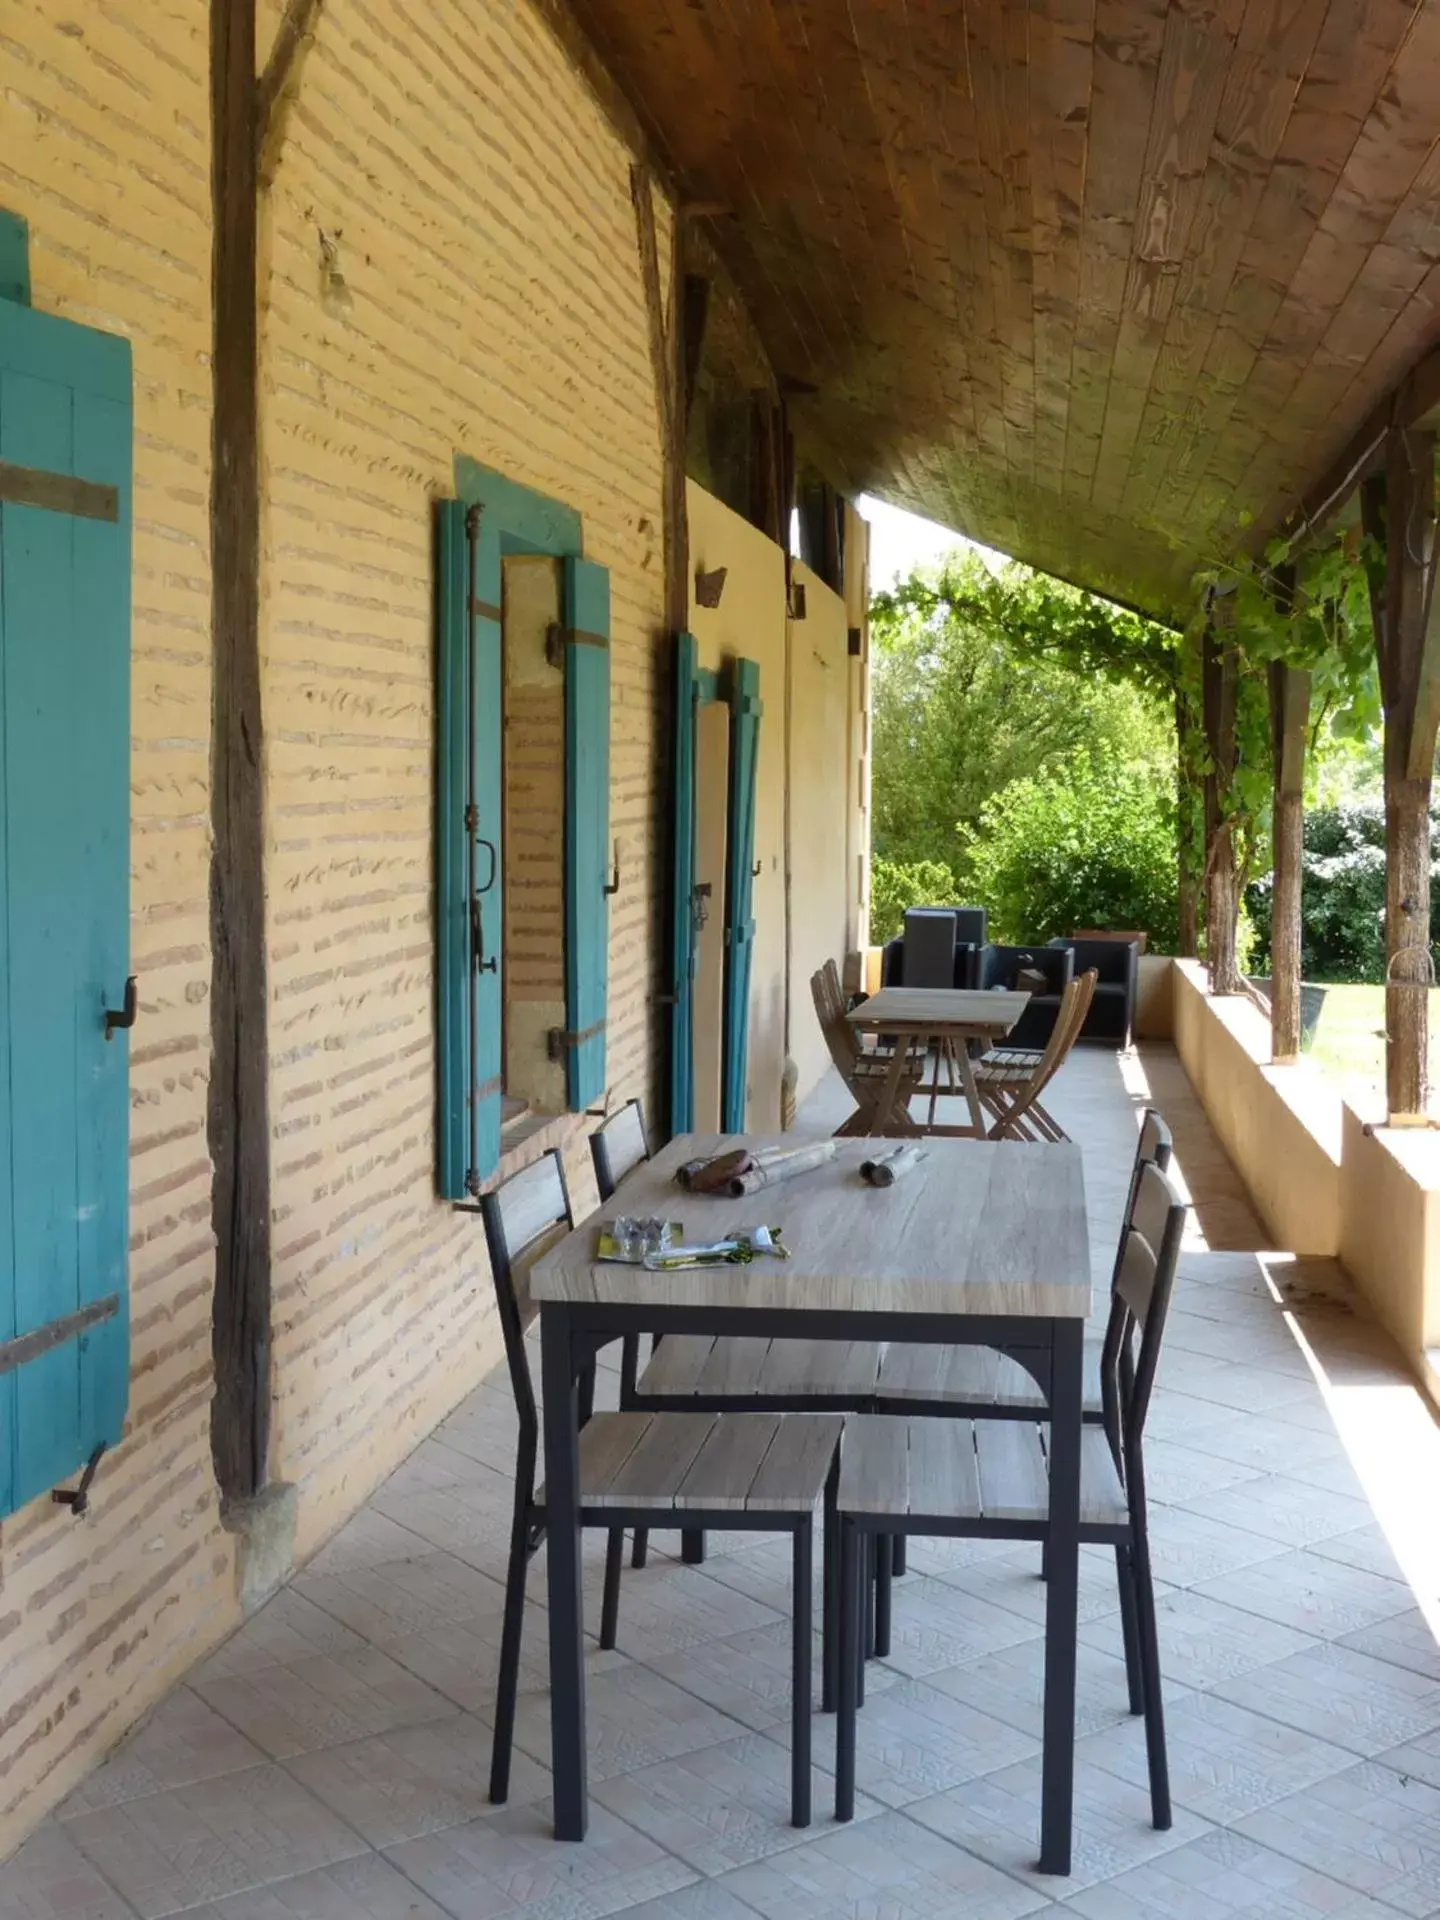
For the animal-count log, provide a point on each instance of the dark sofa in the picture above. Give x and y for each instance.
(1000, 965)
(1117, 965)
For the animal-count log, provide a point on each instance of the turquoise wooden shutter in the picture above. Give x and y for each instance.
(65, 456)
(587, 826)
(745, 711)
(469, 898)
(682, 920)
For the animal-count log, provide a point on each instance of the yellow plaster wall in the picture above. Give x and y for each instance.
(104, 149)
(1390, 1228)
(478, 211)
(821, 827)
(750, 621)
(1281, 1126)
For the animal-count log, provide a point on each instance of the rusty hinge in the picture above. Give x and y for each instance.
(558, 637)
(560, 1040)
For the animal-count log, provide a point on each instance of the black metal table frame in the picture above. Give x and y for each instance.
(1051, 1349)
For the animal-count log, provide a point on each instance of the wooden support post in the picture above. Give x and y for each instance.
(239, 1126)
(1186, 851)
(1398, 507)
(1222, 888)
(1289, 721)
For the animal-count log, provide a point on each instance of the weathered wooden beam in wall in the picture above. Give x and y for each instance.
(1188, 865)
(280, 82)
(668, 361)
(1222, 890)
(239, 1128)
(1289, 691)
(1398, 508)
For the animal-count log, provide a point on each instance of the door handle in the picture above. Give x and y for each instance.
(489, 846)
(124, 1016)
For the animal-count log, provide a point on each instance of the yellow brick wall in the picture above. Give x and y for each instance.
(104, 149)
(479, 210)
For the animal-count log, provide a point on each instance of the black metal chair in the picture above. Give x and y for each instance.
(770, 1473)
(903, 1473)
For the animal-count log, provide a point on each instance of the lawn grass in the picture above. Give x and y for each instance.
(1349, 1039)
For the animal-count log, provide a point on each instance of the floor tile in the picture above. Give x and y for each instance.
(288, 1627)
(416, 1780)
(183, 1740)
(1186, 1548)
(748, 1676)
(1224, 1760)
(1348, 1698)
(324, 1702)
(1009, 1685)
(1405, 1638)
(1317, 1596)
(175, 1849)
(470, 1518)
(914, 1740)
(1224, 1876)
(1259, 1439)
(1418, 1758)
(367, 1888)
(404, 1596)
(1175, 1473)
(368, 1540)
(1013, 1584)
(1283, 1509)
(510, 1863)
(705, 1900)
(721, 1806)
(668, 1607)
(1204, 1642)
(1367, 1547)
(50, 1879)
(886, 1867)
(934, 1625)
(998, 1818)
(634, 1718)
(1373, 1830)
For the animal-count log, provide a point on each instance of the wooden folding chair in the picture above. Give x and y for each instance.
(864, 1074)
(1012, 1093)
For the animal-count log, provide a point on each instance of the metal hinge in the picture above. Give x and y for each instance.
(560, 1040)
(29, 1346)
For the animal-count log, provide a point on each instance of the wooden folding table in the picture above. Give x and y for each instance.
(919, 1018)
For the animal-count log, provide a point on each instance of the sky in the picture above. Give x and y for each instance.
(901, 541)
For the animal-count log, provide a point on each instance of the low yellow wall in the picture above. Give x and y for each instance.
(1390, 1228)
(1155, 998)
(1281, 1126)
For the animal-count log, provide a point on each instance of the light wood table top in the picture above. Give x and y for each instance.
(980, 1227)
(933, 1010)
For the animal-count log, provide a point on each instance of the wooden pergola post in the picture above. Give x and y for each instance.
(1398, 507)
(1186, 851)
(1289, 720)
(1222, 890)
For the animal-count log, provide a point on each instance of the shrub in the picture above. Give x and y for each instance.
(1343, 903)
(898, 884)
(1078, 846)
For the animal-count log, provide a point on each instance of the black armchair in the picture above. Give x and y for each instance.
(1117, 966)
(999, 967)
(892, 964)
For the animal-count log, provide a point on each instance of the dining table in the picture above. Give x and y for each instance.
(919, 1021)
(983, 1244)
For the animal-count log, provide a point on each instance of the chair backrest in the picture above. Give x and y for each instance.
(1139, 1306)
(1154, 1148)
(523, 1217)
(971, 925)
(830, 1008)
(930, 947)
(619, 1146)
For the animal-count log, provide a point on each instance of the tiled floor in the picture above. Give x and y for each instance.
(331, 1761)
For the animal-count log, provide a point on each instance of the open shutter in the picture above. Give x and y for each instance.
(745, 711)
(587, 826)
(682, 923)
(469, 700)
(65, 461)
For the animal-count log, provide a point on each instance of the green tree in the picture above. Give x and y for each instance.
(1078, 845)
(982, 678)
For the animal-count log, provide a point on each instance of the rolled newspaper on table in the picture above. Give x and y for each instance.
(775, 1164)
(891, 1166)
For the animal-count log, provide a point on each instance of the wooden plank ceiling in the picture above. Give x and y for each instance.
(1103, 283)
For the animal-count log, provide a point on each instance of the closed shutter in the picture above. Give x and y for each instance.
(587, 827)
(469, 895)
(65, 459)
(682, 923)
(745, 711)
